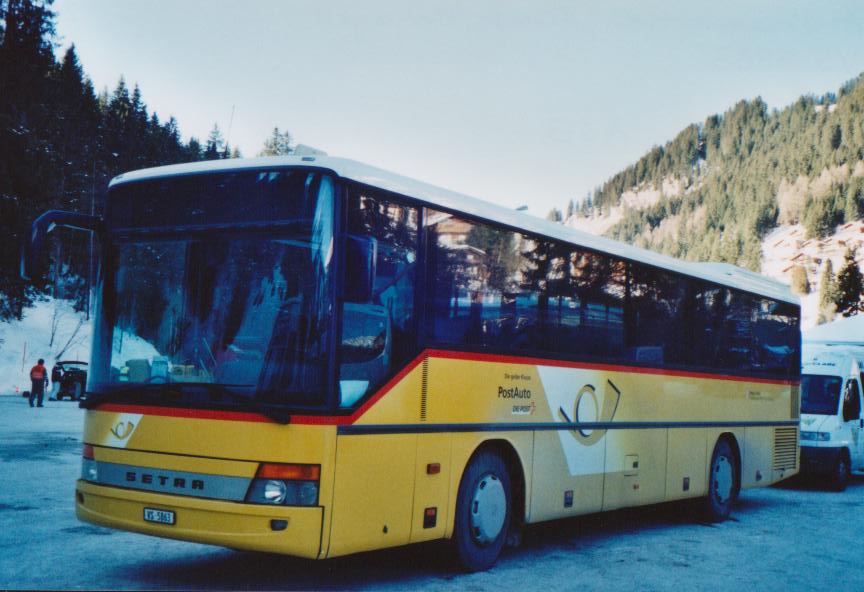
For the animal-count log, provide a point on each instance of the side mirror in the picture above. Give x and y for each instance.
(32, 257)
(361, 254)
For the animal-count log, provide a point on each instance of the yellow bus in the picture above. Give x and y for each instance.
(315, 357)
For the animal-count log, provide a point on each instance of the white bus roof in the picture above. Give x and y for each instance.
(721, 273)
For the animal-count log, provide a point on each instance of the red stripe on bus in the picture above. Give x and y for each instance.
(388, 386)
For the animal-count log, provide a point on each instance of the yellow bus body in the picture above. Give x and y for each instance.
(579, 438)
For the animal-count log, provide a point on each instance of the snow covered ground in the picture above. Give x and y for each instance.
(779, 538)
(54, 331)
(51, 330)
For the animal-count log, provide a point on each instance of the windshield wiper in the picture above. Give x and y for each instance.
(150, 392)
(217, 390)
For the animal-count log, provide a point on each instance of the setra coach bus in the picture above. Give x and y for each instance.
(315, 357)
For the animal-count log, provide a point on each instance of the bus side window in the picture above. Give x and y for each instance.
(654, 316)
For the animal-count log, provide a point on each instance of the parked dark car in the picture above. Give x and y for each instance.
(73, 379)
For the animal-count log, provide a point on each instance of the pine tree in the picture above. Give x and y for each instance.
(827, 308)
(554, 215)
(278, 144)
(800, 283)
(826, 285)
(850, 286)
(60, 144)
(215, 144)
(27, 165)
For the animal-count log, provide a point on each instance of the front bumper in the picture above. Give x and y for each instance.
(228, 524)
(818, 460)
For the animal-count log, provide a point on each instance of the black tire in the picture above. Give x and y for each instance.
(840, 473)
(76, 392)
(479, 537)
(723, 482)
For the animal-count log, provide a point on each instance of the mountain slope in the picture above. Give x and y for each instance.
(766, 190)
(717, 188)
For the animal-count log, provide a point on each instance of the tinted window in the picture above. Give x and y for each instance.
(223, 198)
(776, 338)
(585, 300)
(505, 291)
(851, 401)
(249, 313)
(819, 394)
(378, 321)
(474, 285)
(655, 316)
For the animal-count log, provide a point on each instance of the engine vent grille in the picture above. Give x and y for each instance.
(785, 448)
(424, 386)
(796, 402)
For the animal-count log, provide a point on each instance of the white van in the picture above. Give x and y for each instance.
(832, 428)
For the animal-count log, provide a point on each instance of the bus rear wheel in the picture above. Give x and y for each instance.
(723, 484)
(483, 512)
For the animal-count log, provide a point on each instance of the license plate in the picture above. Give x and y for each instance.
(160, 516)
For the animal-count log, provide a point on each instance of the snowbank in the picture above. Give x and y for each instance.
(25, 341)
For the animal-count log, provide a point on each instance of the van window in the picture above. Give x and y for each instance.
(851, 401)
(819, 394)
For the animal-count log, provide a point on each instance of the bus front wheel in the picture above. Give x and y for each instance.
(722, 482)
(483, 511)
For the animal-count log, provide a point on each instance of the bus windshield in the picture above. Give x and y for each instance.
(225, 318)
(820, 394)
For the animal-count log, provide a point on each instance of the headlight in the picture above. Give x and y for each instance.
(89, 471)
(816, 436)
(285, 485)
(275, 491)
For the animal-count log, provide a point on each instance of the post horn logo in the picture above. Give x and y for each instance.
(587, 410)
(123, 429)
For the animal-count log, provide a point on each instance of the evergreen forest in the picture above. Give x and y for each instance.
(61, 142)
(742, 173)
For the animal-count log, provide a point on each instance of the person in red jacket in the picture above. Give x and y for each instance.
(39, 380)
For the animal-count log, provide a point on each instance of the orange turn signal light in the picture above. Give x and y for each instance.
(87, 452)
(289, 472)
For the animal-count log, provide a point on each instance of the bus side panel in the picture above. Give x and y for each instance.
(464, 446)
(635, 468)
(373, 492)
(757, 466)
(431, 487)
(556, 492)
(686, 470)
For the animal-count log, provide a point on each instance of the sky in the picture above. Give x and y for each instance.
(520, 103)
